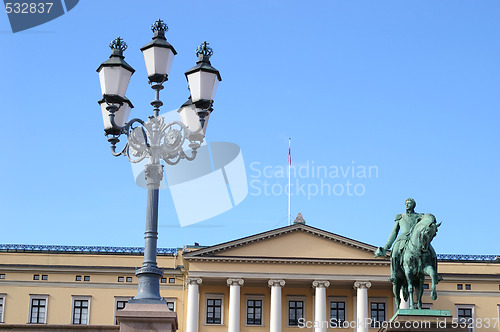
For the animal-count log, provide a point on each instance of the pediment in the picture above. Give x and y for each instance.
(295, 241)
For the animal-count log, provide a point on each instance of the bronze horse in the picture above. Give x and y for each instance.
(416, 262)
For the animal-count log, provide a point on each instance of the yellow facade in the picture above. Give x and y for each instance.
(298, 255)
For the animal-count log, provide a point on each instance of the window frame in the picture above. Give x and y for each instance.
(75, 298)
(428, 306)
(498, 307)
(296, 298)
(122, 279)
(377, 300)
(329, 313)
(2, 312)
(172, 299)
(119, 299)
(211, 296)
(467, 306)
(38, 297)
(128, 279)
(86, 278)
(251, 297)
(170, 280)
(2, 276)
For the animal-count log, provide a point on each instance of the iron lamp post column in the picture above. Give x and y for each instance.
(149, 274)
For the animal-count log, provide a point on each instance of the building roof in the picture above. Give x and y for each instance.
(57, 249)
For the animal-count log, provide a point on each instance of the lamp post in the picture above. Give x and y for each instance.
(155, 139)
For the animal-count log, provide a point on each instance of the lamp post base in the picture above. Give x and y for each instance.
(146, 317)
(149, 286)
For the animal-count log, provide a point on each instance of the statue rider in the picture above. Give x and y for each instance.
(403, 225)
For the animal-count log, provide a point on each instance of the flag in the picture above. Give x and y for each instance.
(289, 155)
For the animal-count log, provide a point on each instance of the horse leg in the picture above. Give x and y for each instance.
(430, 271)
(420, 292)
(409, 280)
(434, 263)
(396, 288)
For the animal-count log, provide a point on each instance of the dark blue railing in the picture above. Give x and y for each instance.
(457, 257)
(81, 249)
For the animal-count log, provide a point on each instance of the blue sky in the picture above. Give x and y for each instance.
(407, 87)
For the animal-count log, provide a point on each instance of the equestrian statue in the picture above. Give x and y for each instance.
(412, 255)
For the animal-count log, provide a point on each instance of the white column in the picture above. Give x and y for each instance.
(362, 305)
(321, 322)
(193, 305)
(234, 304)
(403, 304)
(276, 315)
(354, 308)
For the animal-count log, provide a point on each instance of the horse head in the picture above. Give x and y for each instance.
(425, 230)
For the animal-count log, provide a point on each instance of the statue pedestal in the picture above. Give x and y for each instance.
(422, 320)
(146, 317)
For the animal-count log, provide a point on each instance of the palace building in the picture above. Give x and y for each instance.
(279, 280)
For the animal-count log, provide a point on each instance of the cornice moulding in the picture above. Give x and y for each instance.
(285, 260)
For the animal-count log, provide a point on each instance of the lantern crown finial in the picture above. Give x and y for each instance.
(118, 44)
(204, 50)
(159, 28)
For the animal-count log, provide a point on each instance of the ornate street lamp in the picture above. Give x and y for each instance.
(203, 80)
(155, 139)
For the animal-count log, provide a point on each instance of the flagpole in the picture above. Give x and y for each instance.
(289, 189)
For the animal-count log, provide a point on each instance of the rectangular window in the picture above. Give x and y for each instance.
(254, 312)
(427, 306)
(337, 313)
(80, 312)
(467, 287)
(38, 310)
(163, 280)
(86, 278)
(460, 286)
(171, 280)
(45, 277)
(295, 312)
(78, 278)
(120, 304)
(36, 277)
(2, 276)
(465, 314)
(214, 311)
(171, 305)
(129, 279)
(120, 279)
(426, 286)
(377, 313)
(2, 301)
